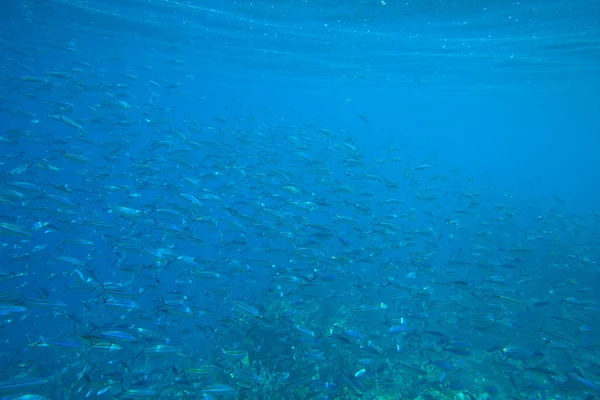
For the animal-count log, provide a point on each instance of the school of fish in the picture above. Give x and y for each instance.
(233, 257)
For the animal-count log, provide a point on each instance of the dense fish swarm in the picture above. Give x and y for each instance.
(149, 258)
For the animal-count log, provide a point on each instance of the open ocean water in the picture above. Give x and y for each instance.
(300, 199)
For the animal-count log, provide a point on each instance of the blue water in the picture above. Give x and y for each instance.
(308, 183)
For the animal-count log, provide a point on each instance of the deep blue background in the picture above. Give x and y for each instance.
(508, 91)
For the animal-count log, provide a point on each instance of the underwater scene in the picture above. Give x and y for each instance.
(300, 199)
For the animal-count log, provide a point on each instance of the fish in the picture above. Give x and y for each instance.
(167, 236)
